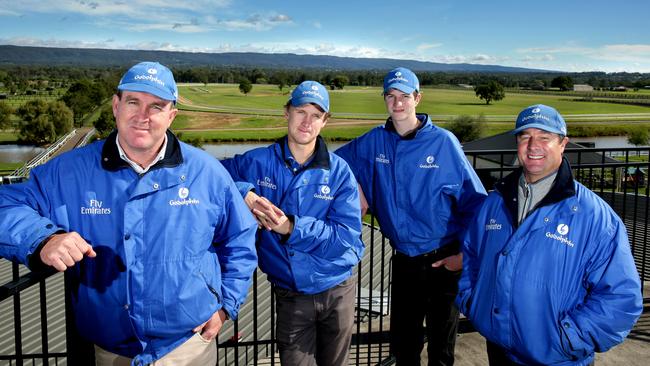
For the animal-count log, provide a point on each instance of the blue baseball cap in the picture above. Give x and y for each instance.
(310, 92)
(152, 78)
(542, 117)
(401, 79)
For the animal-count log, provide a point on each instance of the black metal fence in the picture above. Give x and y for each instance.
(36, 329)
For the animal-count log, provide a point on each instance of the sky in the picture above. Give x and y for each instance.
(559, 35)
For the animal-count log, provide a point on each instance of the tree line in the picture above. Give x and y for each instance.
(87, 88)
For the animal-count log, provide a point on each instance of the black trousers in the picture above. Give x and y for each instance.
(497, 356)
(420, 292)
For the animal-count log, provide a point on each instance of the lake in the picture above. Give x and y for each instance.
(604, 142)
(21, 153)
(18, 153)
(226, 150)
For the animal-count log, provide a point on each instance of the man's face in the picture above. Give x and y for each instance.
(539, 152)
(141, 120)
(305, 123)
(400, 105)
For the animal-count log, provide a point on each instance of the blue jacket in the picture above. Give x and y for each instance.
(420, 187)
(173, 245)
(557, 288)
(323, 201)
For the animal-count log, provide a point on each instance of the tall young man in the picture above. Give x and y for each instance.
(423, 191)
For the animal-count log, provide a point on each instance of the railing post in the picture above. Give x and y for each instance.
(17, 319)
(79, 350)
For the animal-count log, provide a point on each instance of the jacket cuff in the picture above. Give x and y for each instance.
(284, 238)
(244, 188)
(231, 309)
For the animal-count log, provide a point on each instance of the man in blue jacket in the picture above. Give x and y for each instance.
(423, 191)
(157, 239)
(548, 277)
(307, 200)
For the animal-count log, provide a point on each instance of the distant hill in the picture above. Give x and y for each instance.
(18, 55)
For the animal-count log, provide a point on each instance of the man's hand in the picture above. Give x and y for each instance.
(250, 199)
(452, 263)
(268, 215)
(211, 328)
(363, 202)
(64, 250)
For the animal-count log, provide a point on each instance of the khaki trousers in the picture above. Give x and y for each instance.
(195, 351)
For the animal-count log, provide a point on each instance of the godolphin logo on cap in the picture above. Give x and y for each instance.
(536, 110)
(314, 87)
(152, 71)
(399, 73)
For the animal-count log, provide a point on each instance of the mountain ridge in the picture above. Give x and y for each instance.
(51, 56)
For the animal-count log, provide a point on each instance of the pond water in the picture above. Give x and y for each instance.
(604, 142)
(18, 153)
(226, 150)
(21, 153)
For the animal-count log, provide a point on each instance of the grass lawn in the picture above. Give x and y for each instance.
(366, 102)
(7, 168)
(357, 109)
(6, 136)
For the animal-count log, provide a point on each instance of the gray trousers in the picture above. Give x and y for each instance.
(315, 329)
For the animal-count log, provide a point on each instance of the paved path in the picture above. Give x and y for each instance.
(74, 141)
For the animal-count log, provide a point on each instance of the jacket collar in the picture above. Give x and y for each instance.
(111, 156)
(424, 121)
(562, 188)
(321, 158)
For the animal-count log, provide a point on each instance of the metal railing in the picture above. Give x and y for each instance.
(43, 156)
(251, 341)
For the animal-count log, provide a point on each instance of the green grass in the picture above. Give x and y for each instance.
(362, 101)
(331, 133)
(15, 101)
(7, 168)
(234, 136)
(6, 136)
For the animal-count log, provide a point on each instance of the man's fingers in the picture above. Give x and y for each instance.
(68, 260)
(58, 265)
(262, 219)
(88, 250)
(198, 328)
(64, 250)
(263, 202)
(75, 254)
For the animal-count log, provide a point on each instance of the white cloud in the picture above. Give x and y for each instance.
(144, 15)
(280, 18)
(7, 12)
(609, 58)
(58, 43)
(632, 53)
(428, 46)
(538, 58)
(126, 8)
